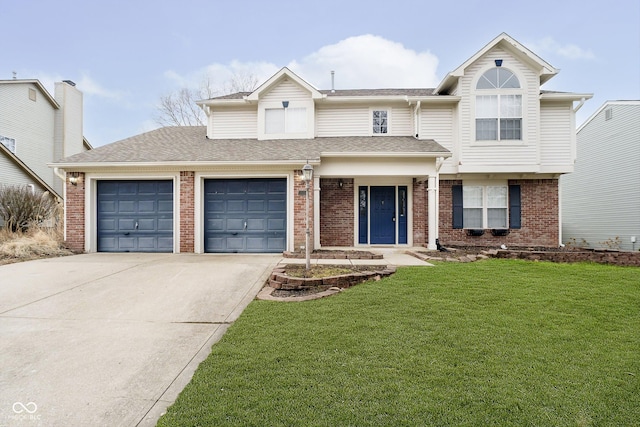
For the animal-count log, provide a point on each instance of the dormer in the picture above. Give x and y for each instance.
(286, 107)
(502, 44)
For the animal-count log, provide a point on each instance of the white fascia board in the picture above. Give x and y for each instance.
(391, 98)
(565, 96)
(82, 167)
(385, 154)
(222, 102)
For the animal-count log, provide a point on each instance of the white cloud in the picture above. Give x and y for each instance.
(570, 51)
(365, 61)
(90, 87)
(368, 61)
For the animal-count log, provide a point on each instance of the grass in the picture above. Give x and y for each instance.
(496, 342)
(33, 244)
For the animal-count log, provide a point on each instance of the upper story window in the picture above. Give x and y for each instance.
(498, 106)
(10, 143)
(285, 120)
(380, 122)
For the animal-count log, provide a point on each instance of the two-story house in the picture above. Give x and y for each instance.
(36, 129)
(474, 161)
(601, 198)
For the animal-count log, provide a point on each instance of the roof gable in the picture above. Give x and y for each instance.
(276, 79)
(545, 70)
(38, 85)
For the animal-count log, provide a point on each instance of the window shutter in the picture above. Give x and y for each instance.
(514, 207)
(457, 206)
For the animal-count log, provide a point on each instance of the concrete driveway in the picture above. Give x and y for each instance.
(111, 339)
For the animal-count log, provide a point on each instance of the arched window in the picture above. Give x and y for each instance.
(498, 108)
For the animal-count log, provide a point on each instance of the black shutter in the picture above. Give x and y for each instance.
(457, 206)
(514, 207)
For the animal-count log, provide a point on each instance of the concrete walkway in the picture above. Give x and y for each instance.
(391, 256)
(111, 339)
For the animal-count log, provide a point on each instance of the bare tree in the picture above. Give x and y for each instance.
(179, 108)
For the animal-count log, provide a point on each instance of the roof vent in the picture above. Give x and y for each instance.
(69, 82)
(333, 75)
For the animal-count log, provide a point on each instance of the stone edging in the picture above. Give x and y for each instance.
(280, 280)
(334, 255)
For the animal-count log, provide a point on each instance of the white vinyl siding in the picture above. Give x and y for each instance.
(234, 123)
(286, 90)
(342, 121)
(31, 124)
(601, 199)
(357, 121)
(556, 135)
(483, 156)
(402, 124)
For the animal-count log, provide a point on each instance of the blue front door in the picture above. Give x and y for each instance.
(383, 215)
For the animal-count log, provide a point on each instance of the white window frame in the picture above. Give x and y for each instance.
(485, 205)
(499, 115)
(371, 123)
(287, 126)
(287, 132)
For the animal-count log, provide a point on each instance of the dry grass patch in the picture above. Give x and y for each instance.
(33, 244)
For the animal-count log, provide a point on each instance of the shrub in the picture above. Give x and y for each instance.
(20, 208)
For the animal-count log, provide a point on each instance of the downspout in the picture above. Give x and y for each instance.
(63, 177)
(579, 106)
(57, 172)
(417, 119)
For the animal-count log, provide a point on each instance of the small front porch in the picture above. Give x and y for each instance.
(369, 212)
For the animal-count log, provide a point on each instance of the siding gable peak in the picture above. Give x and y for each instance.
(522, 53)
(276, 79)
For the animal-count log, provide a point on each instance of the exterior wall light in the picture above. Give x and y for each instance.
(498, 62)
(285, 104)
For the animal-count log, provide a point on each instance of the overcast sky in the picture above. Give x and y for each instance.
(125, 55)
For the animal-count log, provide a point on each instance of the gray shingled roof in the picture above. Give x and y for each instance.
(185, 144)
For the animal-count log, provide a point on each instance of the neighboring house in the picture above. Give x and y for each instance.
(475, 161)
(601, 198)
(37, 129)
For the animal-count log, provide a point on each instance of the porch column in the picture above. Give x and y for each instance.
(315, 214)
(432, 212)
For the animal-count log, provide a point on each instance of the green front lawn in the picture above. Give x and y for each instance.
(496, 342)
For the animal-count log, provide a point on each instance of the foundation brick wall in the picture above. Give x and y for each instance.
(336, 212)
(540, 217)
(420, 213)
(74, 213)
(187, 211)
(299, 188)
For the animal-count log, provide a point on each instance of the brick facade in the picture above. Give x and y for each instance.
(74, 213)
(299, 206)
(187, 211)
(539, 210)
(336, 212)
(420, 213)
(540, 217)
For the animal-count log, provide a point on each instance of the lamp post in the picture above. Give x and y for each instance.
(307, 175)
